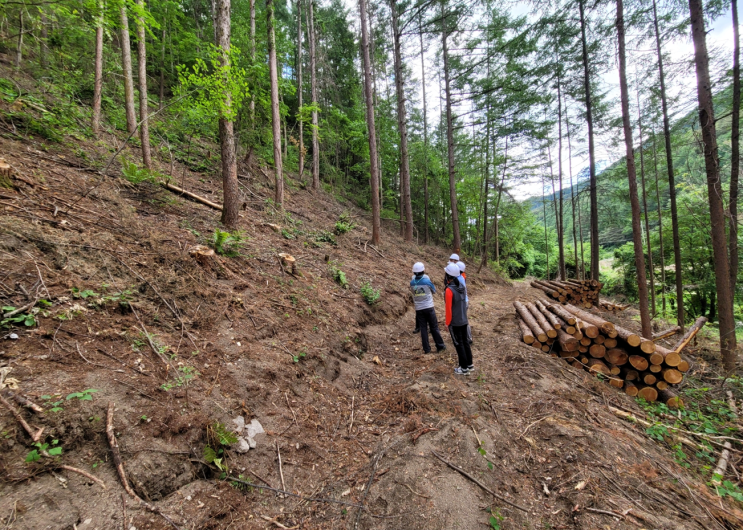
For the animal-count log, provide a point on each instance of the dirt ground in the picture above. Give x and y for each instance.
(342, 389)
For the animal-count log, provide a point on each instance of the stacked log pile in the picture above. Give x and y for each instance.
(625, 359)
(581, 293)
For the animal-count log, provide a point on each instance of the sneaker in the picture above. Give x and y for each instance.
(439, 350)
(470, 368)
(461, 371)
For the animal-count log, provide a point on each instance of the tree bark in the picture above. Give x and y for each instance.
(275, 110)
(735, 154)
(546, 241)
(402, 127)
(425, 131)
(252, 60)
(496, 216)
(671, 179)
(98, 84)
(651, 269)
(660, 231)
(712, 166)
(126, 60)
(299, 87)
(161, 97)
(642, 286)
(313, 94)
(560, 233)
(19, 43)
(43, 37)
(231, 192)
(457, 242)
(144, 127)
(591, 158)
(376, 226)
(572, 190)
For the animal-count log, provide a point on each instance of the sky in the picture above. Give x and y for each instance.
(719, 43)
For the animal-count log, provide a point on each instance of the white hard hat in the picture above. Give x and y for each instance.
(461, 265)
(454, 257)
(452, 269)
(419, 267)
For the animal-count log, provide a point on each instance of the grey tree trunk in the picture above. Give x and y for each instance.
(402, 127)
(671, 179)
(43, 37)
(126, 61)
(572, 190)
(144, 127)
(231, 192)
(425, 130)
(457, 242)
(376, 223)
(98, 83)
(735, 155)
(313, 94)
(642, 286)
(252, 60)
(560, 218)
(660, 231)
(299, 87)
(714, 187)
(651, 269)
(275, 109)
(19, 43)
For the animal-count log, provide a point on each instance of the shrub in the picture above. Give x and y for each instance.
(370, 294)
(344, 224)
(338, 275)
(226, 243)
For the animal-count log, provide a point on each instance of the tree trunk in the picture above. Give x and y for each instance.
(144, 127)
(402, 127)
(660, 232)
(591, 158)
(231, 192)
(98, 85)
(376, 226)
(735, 154)
(425, 130)
(275, 109)
(496, 216)
(651, 269)
(560, 234)
(546, 241)
(126, 60)
(671, 179)
(252, 61)
(457, 243)
(375, 95)
(642, 287)
(43, 37)
(299, 87)
(486, 194)
(712, 165)
(162, 67)
(313, 94)
(19, 43)
(572, 190)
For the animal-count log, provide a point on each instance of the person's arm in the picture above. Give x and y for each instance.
(448, 297)
(430, 284)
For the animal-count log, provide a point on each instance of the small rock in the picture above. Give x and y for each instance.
(13, 336)
(243, 446)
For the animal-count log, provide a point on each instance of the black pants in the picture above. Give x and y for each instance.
(462, 344)
(424, 319)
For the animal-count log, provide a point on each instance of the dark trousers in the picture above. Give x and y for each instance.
(462, 344)
(424, 319)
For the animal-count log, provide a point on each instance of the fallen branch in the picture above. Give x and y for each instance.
(35, 436)
(180, 191)
(605, 512)
(690, 334)
(281, 471)
(85, 474)
(722, 463)
(22, 400)
(667, 333)
(274, 521)
(473, 479)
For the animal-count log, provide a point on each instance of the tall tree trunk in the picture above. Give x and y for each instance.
(126, 61)
(651, 269)
(231, 192)
(98, 84)
(19, 43)
(712, 165)
(313, 94)
(144, 127)
(299, 87)
(546, 240)
(43, 37)
(375, 94)
(660, 231)
(671, 179)
(425, 130)
(252, 61)
(161, 97)
(457, 243)
(496, 215)
(735, 154)
(572, 189)
(560, 226)
(275, 109)
(402, 127)
(486, 194)
(376, 226)
(591, 158)
(642, 286)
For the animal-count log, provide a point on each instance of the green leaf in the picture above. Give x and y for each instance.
(33, 456)
(54, 451)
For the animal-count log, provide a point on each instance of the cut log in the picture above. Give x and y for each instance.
(175, 189)
(666, 333)
(585, 341)
(553, 319)
(672, 376)
(549, 291)
(545, 348)
(671, 399)
(582, 349)
(610, 343)
(600, 339)
(690, 334)
(670, 357)
(526, 315)
(655, 368)
(630, 388)
(542, 321)
(288, 261)
(661, 385)
(648, 393)
(567, 342)
(616, 382)
(638, 362)
(647, 346)
(630, 375)
(683, 366)
(614, 369)
(617, 356)
(526, 334)
(596, 366)
(597, 351)
(567, 316)
(648, 378)
(588, 329)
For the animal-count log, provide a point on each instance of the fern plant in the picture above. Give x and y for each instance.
(226, 243)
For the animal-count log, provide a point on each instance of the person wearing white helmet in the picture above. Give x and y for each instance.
(463, 279)
(456, 318)
(425, 315)
(454, 258)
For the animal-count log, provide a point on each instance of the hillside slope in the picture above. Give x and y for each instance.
(182, 343)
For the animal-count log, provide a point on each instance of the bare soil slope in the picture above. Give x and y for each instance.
(180, 342)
